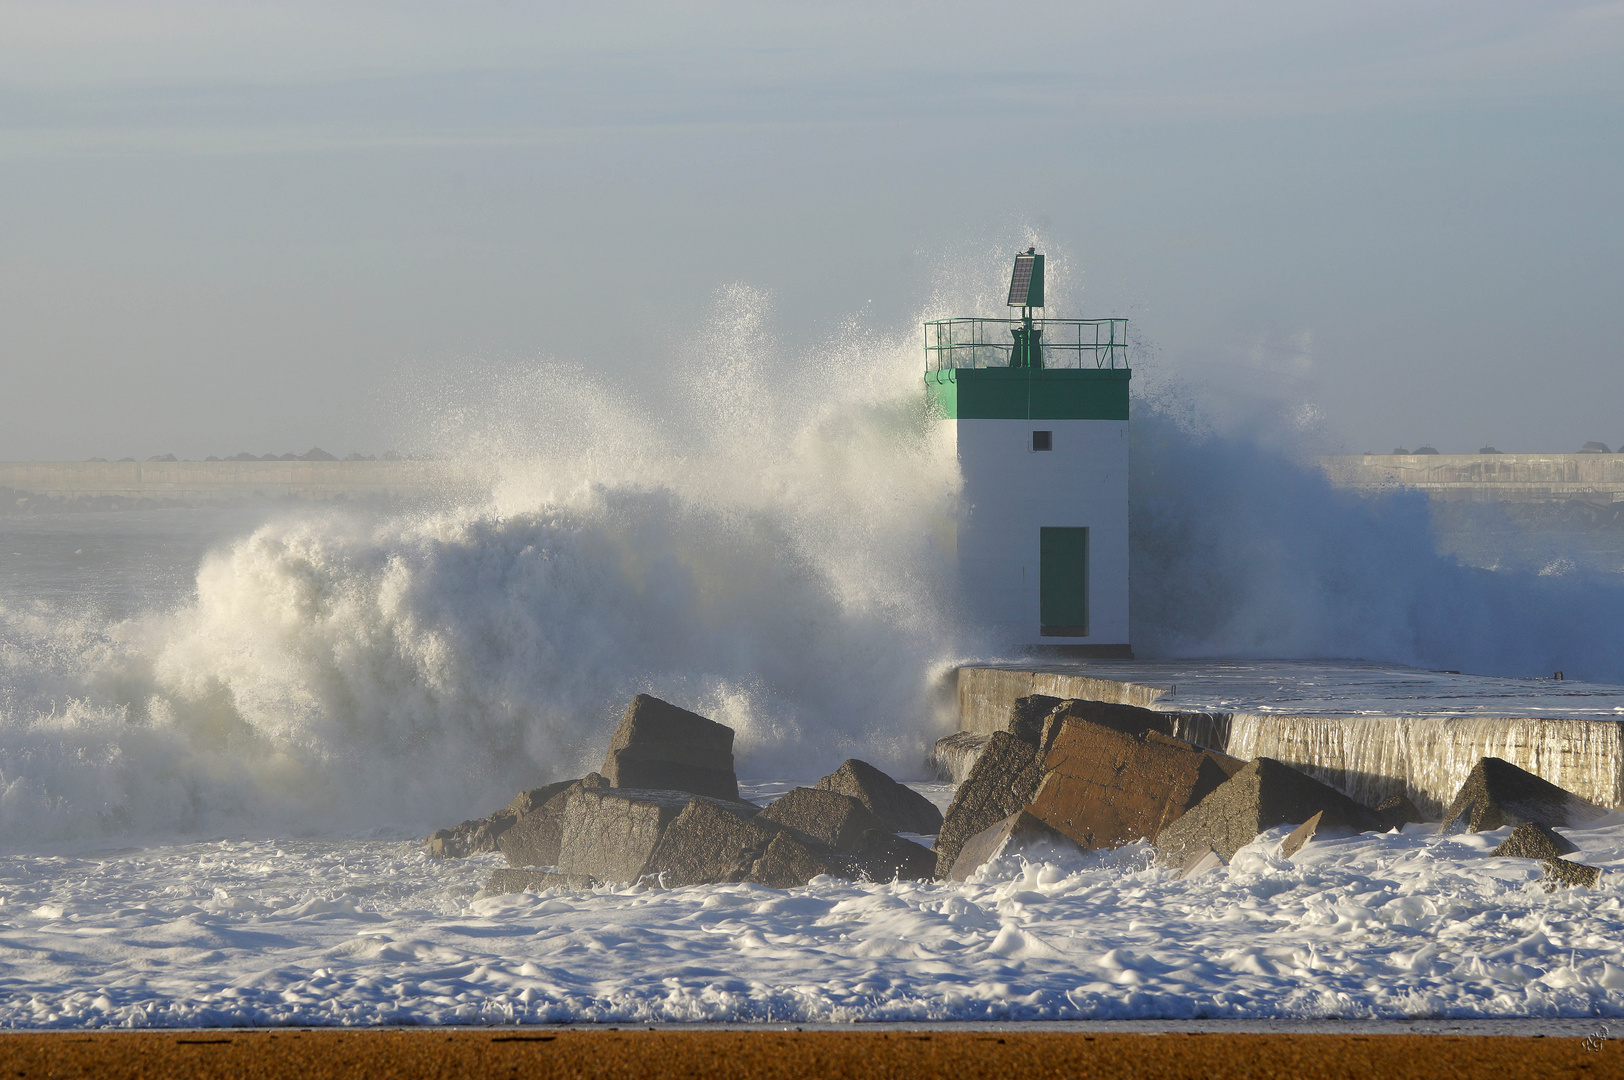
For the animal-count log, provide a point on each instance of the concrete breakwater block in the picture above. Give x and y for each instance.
(881, 856)
(610, 833)
(1497, 793)
(1262, 795)
(659, 746)
(534, 838)
(487, 833)
(598, 830)
(826, 818)
(1005, 777)
(1104, 786)
(1128, 719)
(1027, 717)
(847, 837)
(1531, 840)
(1299, 837)
(1021, 831)
(1560, 873)
(955, 755)
(1396, 811)
(708, 843)
(897, 807)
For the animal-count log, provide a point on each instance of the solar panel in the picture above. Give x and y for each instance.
(1026, 284)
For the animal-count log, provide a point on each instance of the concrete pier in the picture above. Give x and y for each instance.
(1369, 730)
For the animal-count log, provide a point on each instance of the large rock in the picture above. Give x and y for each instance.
(899, 808)
(708, 843)
(1027, 715)
(1531, 840)
(1129, 719)
(1560, 873)
(955, 755)
(1018, 832)
(661, 747)
(1004, 779)
(881, 856)
(473, 837)
(485, 834)
(1498, 793)
(609, 834)
(534, 838)
(789, 863)
(825, 818)
(1104, 787)
(1264, 794)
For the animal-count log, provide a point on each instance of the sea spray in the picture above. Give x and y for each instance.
(762, 534)
(1241, 548)
(772, 548)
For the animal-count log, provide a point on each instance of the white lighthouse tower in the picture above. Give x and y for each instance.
(1039, 409)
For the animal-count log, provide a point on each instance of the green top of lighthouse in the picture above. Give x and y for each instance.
(1028, 368)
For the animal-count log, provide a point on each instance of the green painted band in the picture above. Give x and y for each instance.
(1030, 393)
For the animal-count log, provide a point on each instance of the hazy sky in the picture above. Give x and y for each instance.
(255, 226)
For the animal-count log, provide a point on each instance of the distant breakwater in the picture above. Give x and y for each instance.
(28, 484)
(1588, 477)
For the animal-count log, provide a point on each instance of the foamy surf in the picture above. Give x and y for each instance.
(312, 932)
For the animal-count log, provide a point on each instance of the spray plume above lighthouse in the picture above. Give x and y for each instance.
(1039, 411)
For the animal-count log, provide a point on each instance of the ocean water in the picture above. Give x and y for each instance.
(223, 730)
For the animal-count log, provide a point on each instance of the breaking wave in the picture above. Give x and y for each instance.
(1243, 549)
(768, 545)
(761, 536)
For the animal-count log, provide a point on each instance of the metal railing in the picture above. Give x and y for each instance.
(1066, 343)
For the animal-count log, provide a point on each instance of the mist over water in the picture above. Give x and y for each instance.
(758, 532)
(1240, 548)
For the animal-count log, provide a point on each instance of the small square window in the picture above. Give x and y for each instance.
(1043, 440)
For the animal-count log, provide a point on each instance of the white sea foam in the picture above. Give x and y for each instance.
(372, 932)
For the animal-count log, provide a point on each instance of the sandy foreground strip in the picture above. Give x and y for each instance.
(452, 1054)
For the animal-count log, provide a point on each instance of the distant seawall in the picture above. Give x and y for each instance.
(1530, 478)
(1592, 478)
(213, 481)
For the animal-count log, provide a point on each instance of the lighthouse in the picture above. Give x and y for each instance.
(1039, 412)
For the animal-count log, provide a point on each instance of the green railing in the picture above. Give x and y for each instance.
(1063, 343)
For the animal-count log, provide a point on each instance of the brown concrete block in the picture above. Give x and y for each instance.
(1104, 787)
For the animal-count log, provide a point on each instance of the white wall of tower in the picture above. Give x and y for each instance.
(1011, 491)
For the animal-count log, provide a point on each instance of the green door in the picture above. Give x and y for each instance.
(1063, 582)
